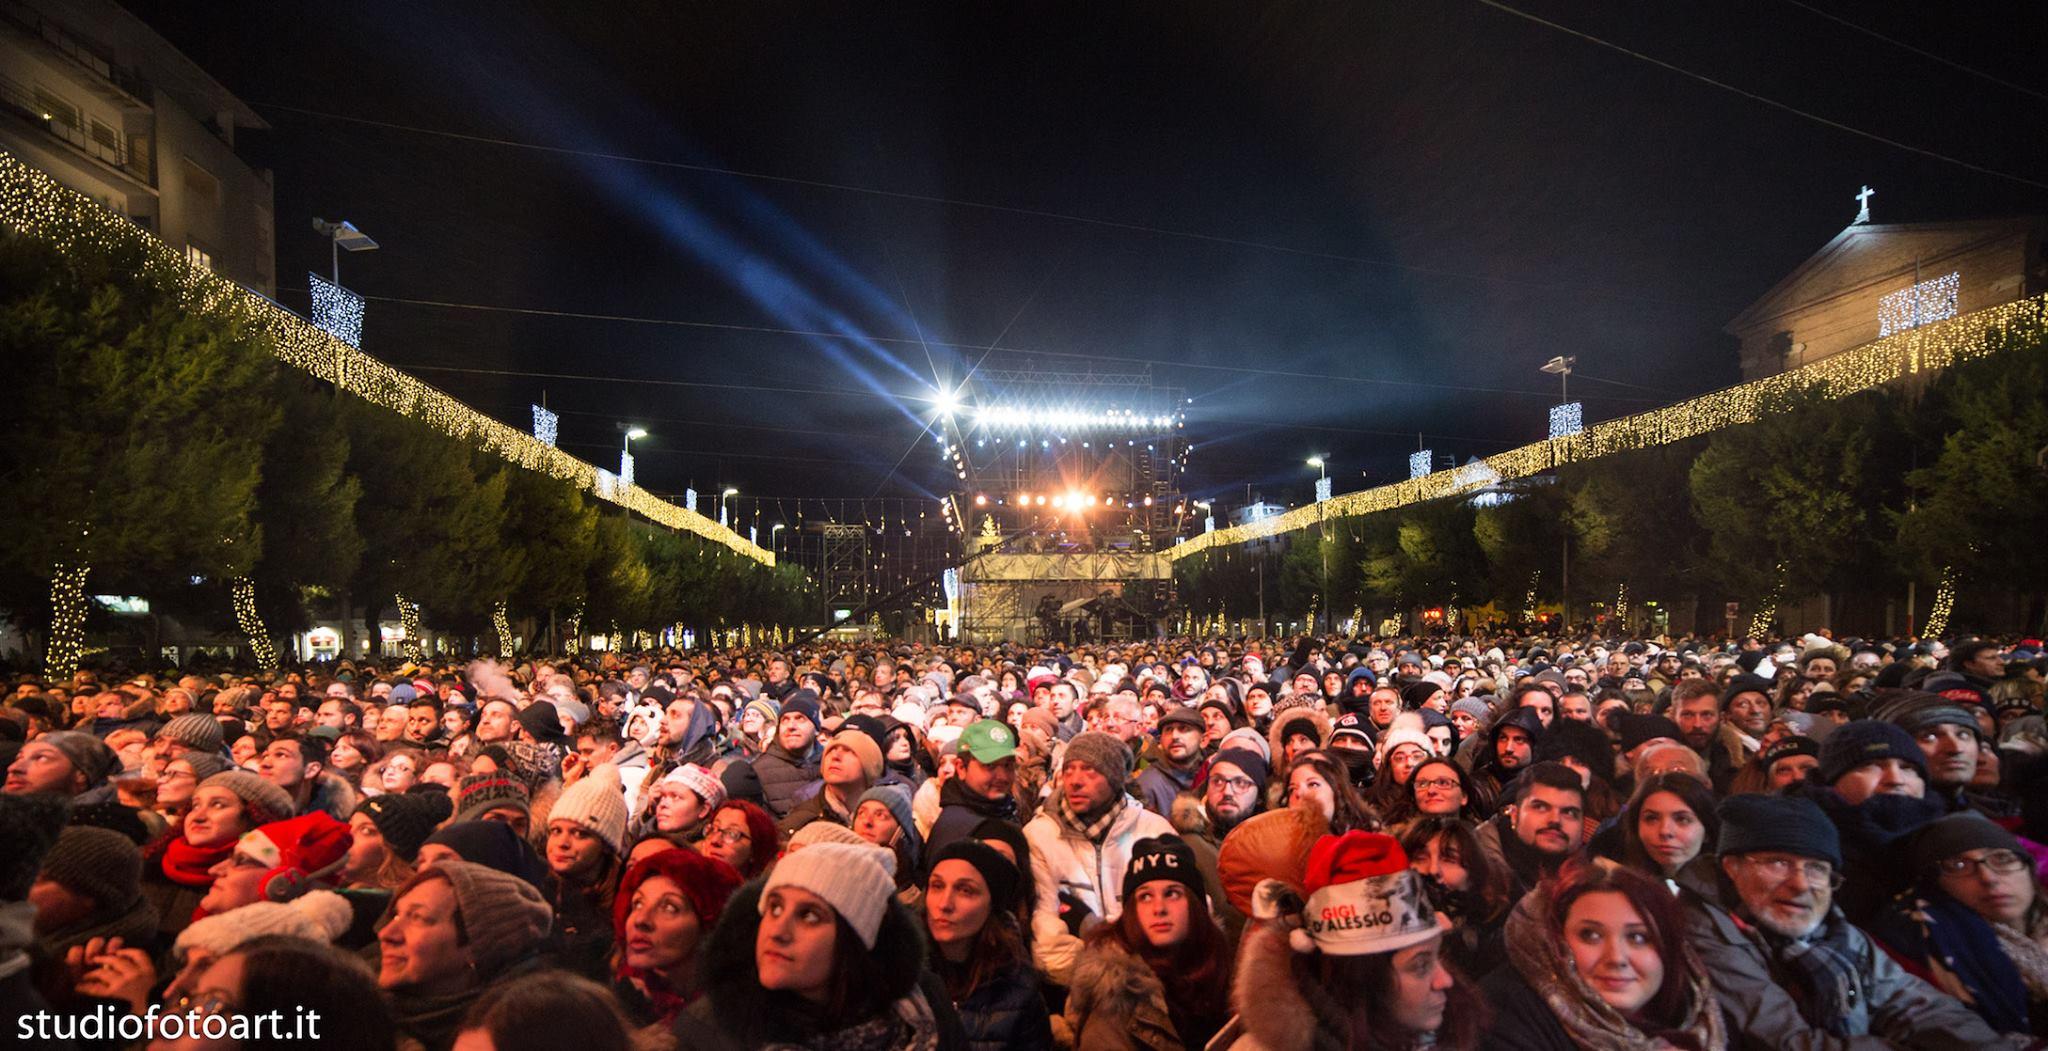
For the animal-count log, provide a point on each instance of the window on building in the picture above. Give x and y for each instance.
(56, 110)
(200, 184)
(198, 257)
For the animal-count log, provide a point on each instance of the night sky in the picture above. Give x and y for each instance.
(1333, 225)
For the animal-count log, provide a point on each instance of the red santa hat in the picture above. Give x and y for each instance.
(1363, 898)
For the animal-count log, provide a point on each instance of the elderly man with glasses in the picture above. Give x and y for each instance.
(1789, 970)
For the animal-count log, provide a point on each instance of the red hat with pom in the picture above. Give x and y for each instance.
(302, 852)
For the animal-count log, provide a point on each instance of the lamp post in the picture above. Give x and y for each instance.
(1561, 367)
(1323, 534)
(342, 235)
(729, 492)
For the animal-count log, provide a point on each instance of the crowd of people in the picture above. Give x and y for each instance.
(1324, 843)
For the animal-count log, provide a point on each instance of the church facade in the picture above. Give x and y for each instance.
(1873, 280)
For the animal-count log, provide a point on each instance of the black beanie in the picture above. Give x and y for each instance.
(1581, 742)
(1745, 684)
(1251, 763)
(405, 820)
(1002, 877)
(29, 824)
(1792, 824)
(1962, 831)
(1164, 857)
(1853, 744)
(1637, 730)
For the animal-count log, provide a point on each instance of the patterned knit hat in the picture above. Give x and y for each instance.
(823, 831)
(205, 764)
(505, 916)
(1363, 898)
(597, 803)
(195, 730)
(100, 864)
(478, 794)
(405, 820)
(857, 881)
(262, 801)
(709, 790)
(319, 916)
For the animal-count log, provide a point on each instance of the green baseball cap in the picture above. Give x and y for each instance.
(989, 741)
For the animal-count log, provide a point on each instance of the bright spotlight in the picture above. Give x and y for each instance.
(1041, 499)
(948, 403)
(1023, 498)
(1059, 501)
(981, 499)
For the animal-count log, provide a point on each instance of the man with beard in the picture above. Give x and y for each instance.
(1788, 967)
(1545, 824)
(1696, 707)
(1179, 759)
(791, 761)
(983, 787)
(1509, 748)
(1079, 841)
(1952, 739)
(1231, 792)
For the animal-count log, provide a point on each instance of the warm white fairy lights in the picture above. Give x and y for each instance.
(1621, 605)
(1944, 603)
(67, 621)
(35, 205)
(336, 310)
(243, 591)
(545, 426)
(572, 632)
(1919, 304)
(409, 628)
(1916, 351)
(503, 625)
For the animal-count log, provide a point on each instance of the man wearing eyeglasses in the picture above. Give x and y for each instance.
(1231, 792)
(1789, 970)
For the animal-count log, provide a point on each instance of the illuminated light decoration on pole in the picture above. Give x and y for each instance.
(690, 500)
(1322, 490)
(67, 621)
(33, 204)
(626, 472)
(1912, 307)
(409, 628)
(1567, 420)
(1529, 606)
(572, 636)
(1418, 464)
(504, 628)
(1944, 604)
(545, 426)
(1761, 622)
(243, 591)
(336, 310)
(1918, 351)
(1621, 605)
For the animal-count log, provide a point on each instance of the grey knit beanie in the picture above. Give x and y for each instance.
(195, 730)
(1104, 753)
(99, 863)
(505, 916)
(264, 801)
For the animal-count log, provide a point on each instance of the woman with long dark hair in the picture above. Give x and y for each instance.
(1318, 782)
(1465, 884)
(1669, 829)
(978, 948)
(1599, 960)
(1437, 788)
(1158, 977)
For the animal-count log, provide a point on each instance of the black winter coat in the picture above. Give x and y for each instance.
(1007, 1013)
(783, 775)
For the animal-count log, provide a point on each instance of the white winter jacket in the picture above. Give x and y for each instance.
(1063, 862)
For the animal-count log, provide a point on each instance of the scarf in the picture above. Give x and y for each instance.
(907, 1025)
(432, 1020)
(1961, 952)
(662, 999)
(1826, 960)
(187, 865)
(1586, 1018)
(2028, 957)
(1092, 831)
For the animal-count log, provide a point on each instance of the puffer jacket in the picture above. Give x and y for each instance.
(1064, 862)
(1760, 1000)
(1006, 1013)
(783, 775)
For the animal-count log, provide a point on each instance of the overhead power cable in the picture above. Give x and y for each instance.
(1771, 102)
(1922, 52)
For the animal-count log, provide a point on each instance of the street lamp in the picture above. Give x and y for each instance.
(632, 433)
(1323, 531)
(343, 235)
(1561, 367)
(729, 492)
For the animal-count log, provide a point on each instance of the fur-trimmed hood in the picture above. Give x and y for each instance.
(1111, 987)
(1271, 1012)
(1190, 816)
(1276, 735)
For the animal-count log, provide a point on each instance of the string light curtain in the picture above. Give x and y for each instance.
(1929, 348)
(246, 618)
(35, 205)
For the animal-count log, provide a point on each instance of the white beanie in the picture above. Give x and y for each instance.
(1395, 738)
(596, 802)
(319, 916)
(857, 881)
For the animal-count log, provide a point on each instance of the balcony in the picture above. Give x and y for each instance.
(102, 144)
(117, 85)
